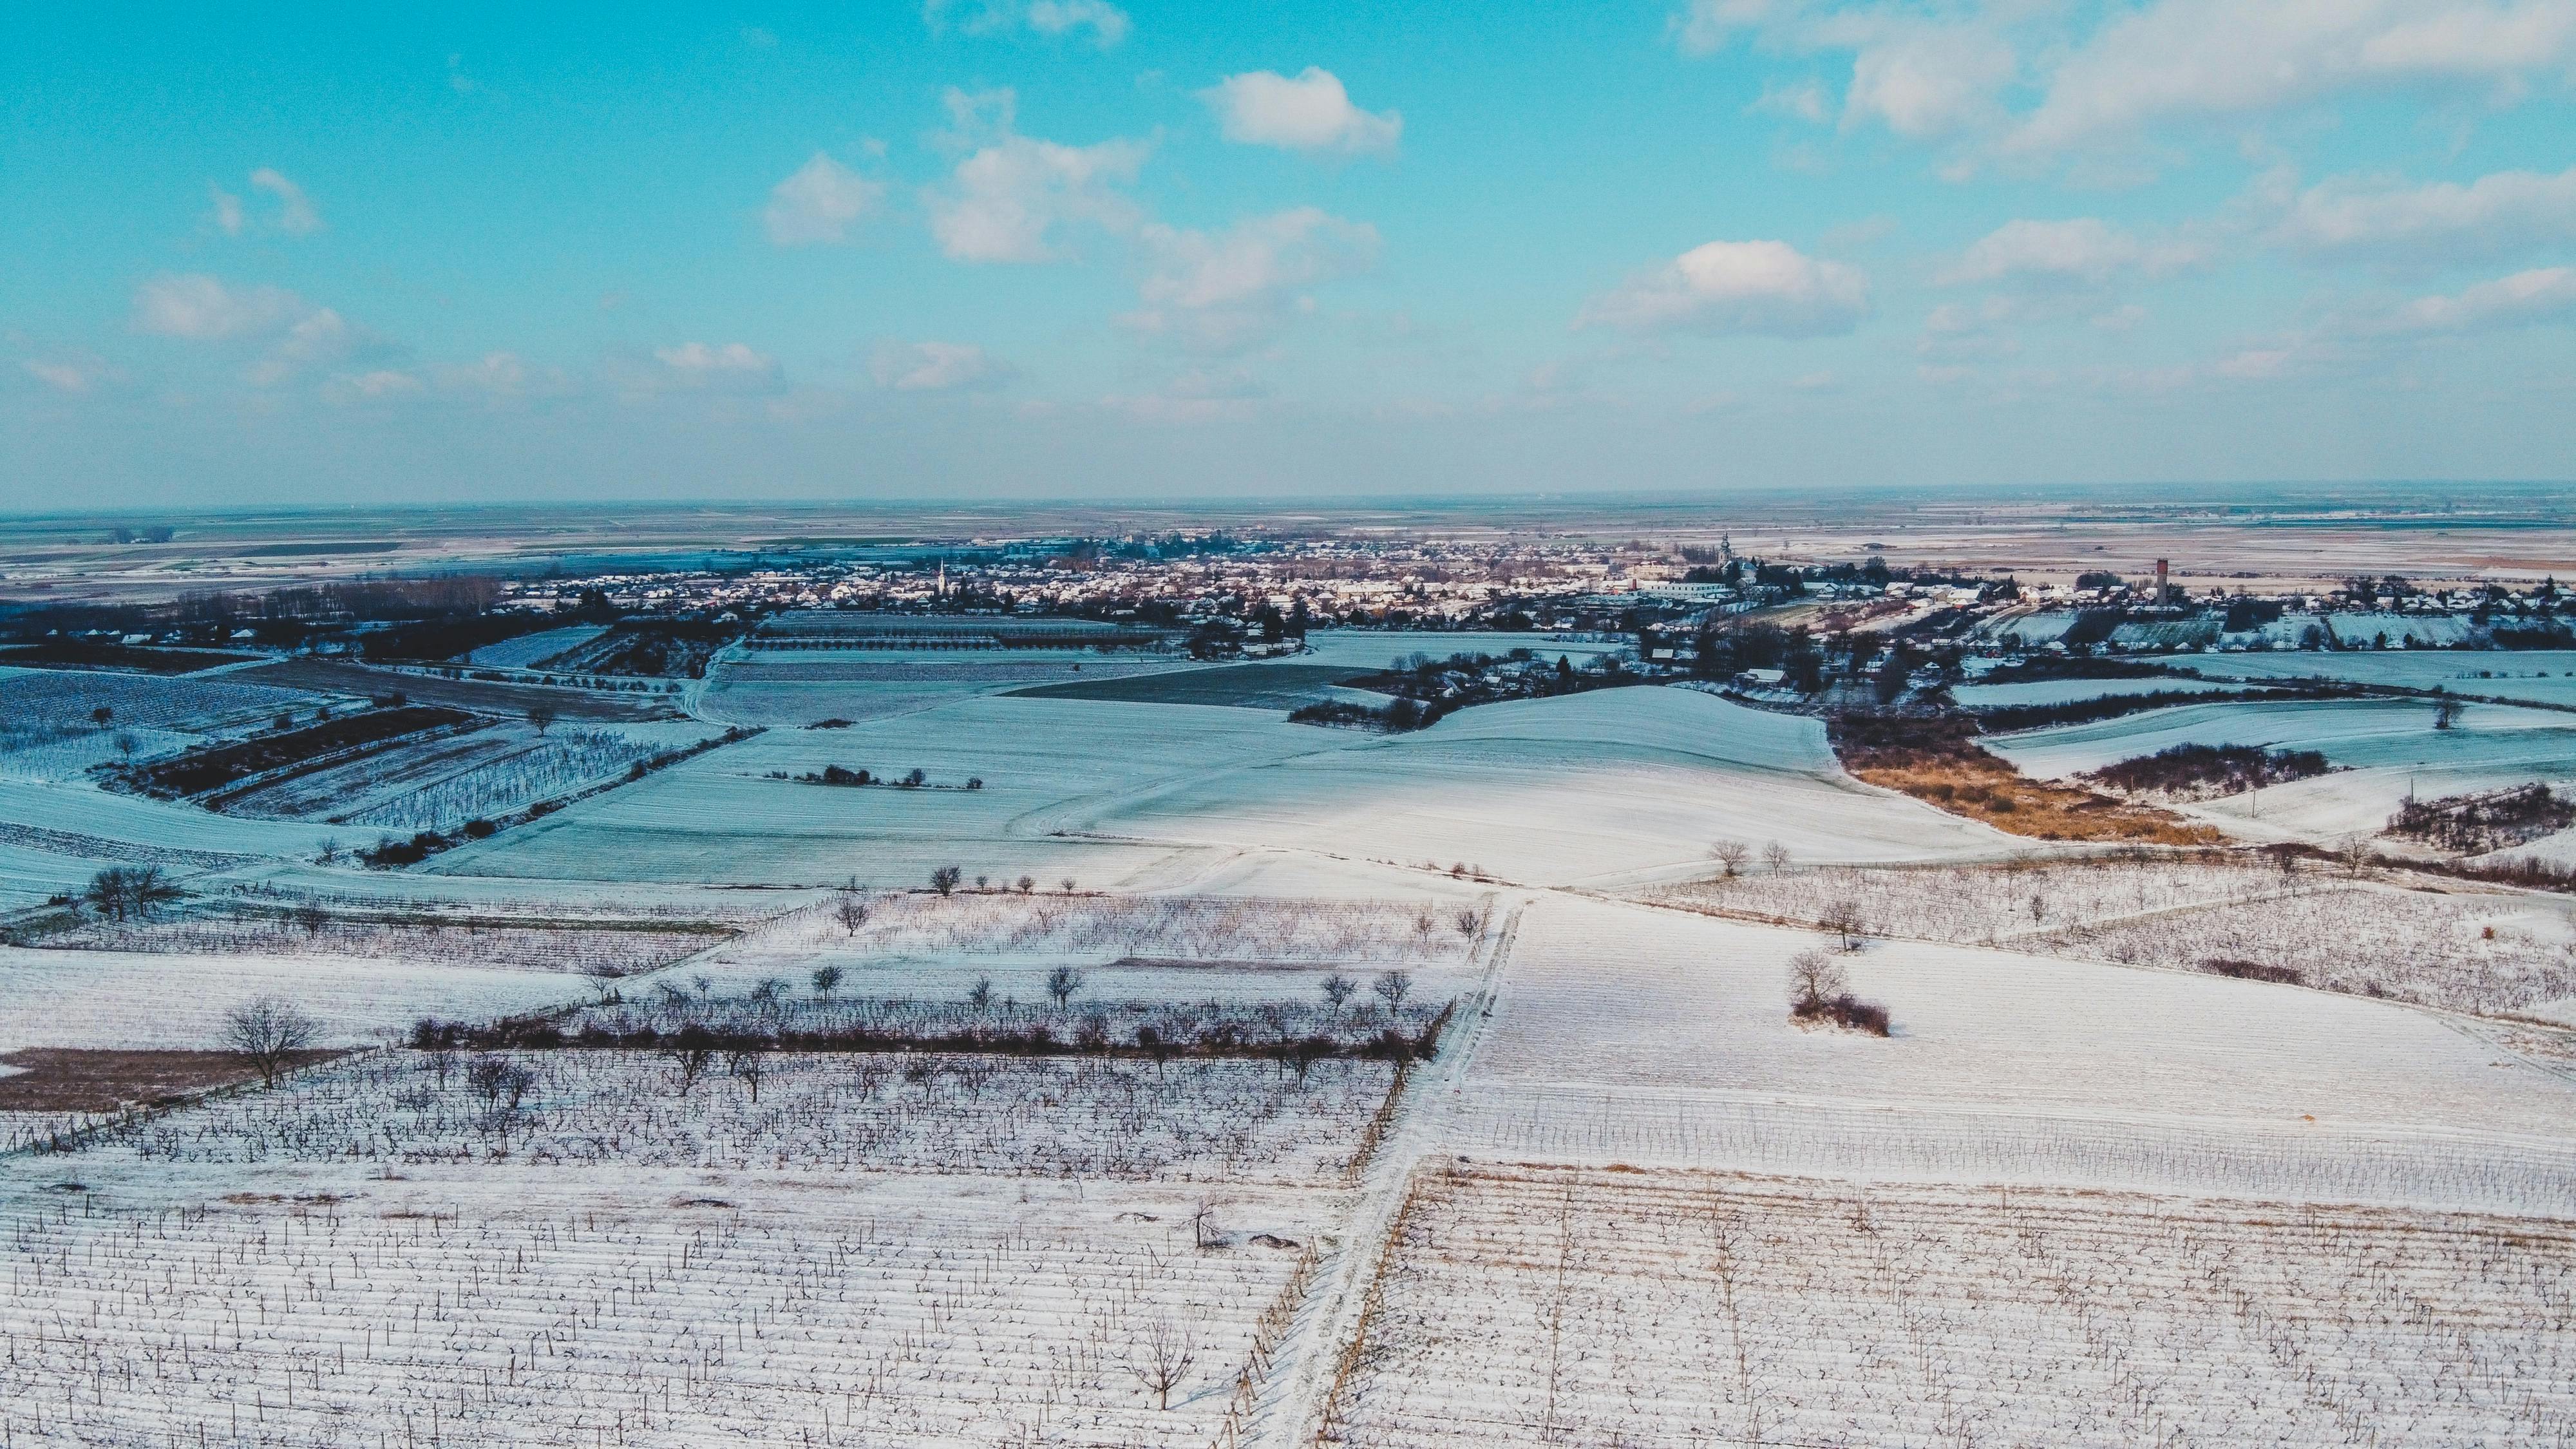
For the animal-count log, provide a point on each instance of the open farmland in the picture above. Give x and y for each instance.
(1607, 788)
(695, 1110)
(2312, 924)
(2538, 676)
(1536, 1306)
(836, 1258)
(2384, 751)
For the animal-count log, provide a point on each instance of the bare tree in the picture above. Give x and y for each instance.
(1204, 1231)
(1816, 977)
(2355, 852)
(541, 716)
(691, 1052)
(1393, 987)
(748, 1065)
(827, 979)
(268, 1032)
(1338, 989)
(604, 976)
(851, 910)
(980, 995)
(981, 882)
(1468, 921)
(1163, 1360)
(1061, 983)
(1731, 856)
(1843, 918)
(1775, 856)
(944, 880)
(311, 917)
(1067, 883)
(495, 1078)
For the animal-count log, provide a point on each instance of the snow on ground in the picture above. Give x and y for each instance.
(80, 809)
(1625, 1033)
(1043, 762)
(1129, 948)
(2543, 676)
(1210, 1121)
(2387, 748)
(2069, 691)
(528, 649)
(1683, 1309)
(38, 700)
(2459, 948)
(1376, 649)
(676, 1309)
(103, 999)
(31, 877)
(868, 1253)
(790, 689)
(1599, 788)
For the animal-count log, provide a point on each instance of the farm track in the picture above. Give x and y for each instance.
(1291, 1412)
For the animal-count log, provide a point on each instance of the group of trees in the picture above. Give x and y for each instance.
(129, 892)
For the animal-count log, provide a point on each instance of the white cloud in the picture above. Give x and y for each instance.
(381, 385)
(2539, 295)
(68, 374)
(2180, 59)
(2436, 223)
(2107, 75)
(1925, 81)
(1225, 289)
(1011, 192)
(2256, 364)
(1798, 100)
(1763, 287)
(2085, 250)
(819, 203)
(500, 375)
(937, 367)
(1107, 23)
(228, 210)
(199, 307)
(701, 363)
(1310, 112)
(295, 213)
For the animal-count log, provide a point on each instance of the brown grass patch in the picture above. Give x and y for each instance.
(1937, 760)
(54, 1079)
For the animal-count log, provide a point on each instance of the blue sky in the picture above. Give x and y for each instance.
(1077, 248)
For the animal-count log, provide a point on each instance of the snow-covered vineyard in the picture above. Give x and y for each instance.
(834, 1319)
(2315, 924)
(1223, 1121)
(1663, 1310)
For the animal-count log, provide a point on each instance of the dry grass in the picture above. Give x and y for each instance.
(1936, 761)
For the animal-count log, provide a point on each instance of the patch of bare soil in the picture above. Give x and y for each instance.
(55, 1079)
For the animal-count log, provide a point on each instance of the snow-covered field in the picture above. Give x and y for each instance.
(2456, 947)
(2387, 749)
(530, 649)
(1630, 1034)
(954, 1248)
(2069, 691)
(952, 1253)
(1664, 1310)
(2545, 676)
(134, 1000)
(1603, 788)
